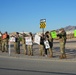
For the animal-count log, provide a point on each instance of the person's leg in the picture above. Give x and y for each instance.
(50, 52)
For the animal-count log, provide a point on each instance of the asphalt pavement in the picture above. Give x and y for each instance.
(36, 66)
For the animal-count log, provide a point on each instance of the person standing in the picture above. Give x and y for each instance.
(50, 41)
(5, 39)
(17, 43)
(0, 41)
(30, 46)
(41, 46)
(24, 43)
(62, 39)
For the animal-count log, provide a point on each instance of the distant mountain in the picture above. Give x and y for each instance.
(69, 28)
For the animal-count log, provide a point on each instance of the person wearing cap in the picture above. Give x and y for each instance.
(62, 39)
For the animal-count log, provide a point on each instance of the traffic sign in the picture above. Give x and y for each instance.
(43, 23)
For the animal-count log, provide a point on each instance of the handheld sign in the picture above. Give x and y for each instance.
(74, 33)
(28, 40)
(12, 39)
(53, 34)
(46, 43)
(0, 35)
(37, 39)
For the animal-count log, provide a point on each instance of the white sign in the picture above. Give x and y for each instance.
(12, 39)
(46, 43)
(28, 40)
(0, 35)
(37, 39)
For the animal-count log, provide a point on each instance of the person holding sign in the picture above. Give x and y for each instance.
(29, 43)
(24, 43)
(5, 40)
(62, 39)
(41, 46)
(49, 44)
(17, 43)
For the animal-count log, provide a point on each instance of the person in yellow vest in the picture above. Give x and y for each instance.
(5, 39)
(0, 41)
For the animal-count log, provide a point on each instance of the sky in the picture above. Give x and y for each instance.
(25, 15)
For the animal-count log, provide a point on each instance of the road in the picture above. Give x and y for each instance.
(19, 66)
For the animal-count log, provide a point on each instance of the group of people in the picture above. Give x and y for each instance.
(48, 37)
(46, 43)
(5, 39)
